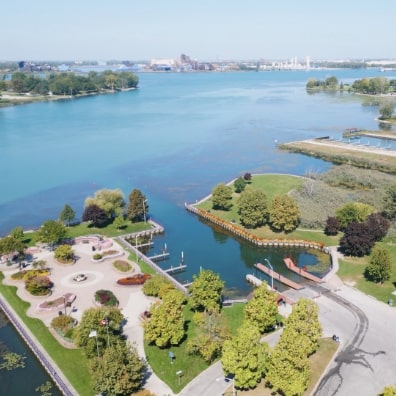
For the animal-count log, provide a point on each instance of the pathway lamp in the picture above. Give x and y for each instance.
(272, 273)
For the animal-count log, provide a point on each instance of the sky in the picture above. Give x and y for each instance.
(202, 29)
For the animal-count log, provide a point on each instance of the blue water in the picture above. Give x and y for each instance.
(174, 138)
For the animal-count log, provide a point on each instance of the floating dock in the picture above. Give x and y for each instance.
(300, 271)
(173, 270)
(159, 257)
(278, 277)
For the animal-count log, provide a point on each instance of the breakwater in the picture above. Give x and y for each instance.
(254, 239)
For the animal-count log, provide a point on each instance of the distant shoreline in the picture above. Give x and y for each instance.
(7, 100)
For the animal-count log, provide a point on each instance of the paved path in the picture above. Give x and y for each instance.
(132, 301)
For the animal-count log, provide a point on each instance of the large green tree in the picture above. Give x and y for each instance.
(284, 214)
(10, 244)
(67, 215)
(389, 208)
(166, 324)
(289, 368)
(353, 211)
(211, 332)
(380, 265)
(253, 208)
(245, 357)
(262, 309)
(205, 291)
(222, 197)
(111, 201)
(119, 371)
(98, 329)
(96, 215)
(51, 232)
(138, 207)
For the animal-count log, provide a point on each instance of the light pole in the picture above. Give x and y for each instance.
(94, 333)
(64, 303)
(272, 273)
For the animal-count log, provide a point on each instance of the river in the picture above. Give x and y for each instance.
(174, 138)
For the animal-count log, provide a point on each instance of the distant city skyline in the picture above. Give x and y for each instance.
(205, 30)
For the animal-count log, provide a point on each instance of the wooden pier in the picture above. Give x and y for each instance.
(300, 271)
(159, 257)
(173, 270)
(278, 277)
(144, 244)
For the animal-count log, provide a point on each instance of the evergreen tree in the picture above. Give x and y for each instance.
(137, 207)
(67, 215)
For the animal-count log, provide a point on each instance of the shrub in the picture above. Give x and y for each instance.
(122, 265)
(106, 298)
(64, 254)
(39, 285)
(97, 256)
(62, 323)
(156, 285)
(332, 226)
(138, 279)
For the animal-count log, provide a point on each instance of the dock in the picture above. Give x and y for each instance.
(173, 270)
(278, 277)
(159, 257)
(300, 271)
(144, 244)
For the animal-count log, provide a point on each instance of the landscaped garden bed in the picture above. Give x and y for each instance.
(137, 279)
(122, 266)
(106, 298)
(107, 254)
(58, 303)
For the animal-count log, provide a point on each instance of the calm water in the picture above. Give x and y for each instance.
(174, 138)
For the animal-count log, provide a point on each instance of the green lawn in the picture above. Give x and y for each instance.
(110, 231)
(352, 272)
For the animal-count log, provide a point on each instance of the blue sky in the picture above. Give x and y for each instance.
(203, 29)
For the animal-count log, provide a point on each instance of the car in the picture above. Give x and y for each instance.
(80, 278)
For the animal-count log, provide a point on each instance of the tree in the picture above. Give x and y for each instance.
(205, 291)
(285, 374)
(111, 201)
(10, 244)
(304, 321)
(211, 331)
(105, 322)
(222, 197)
(96, 215)
(289, 368)
(378, 225)
(64, 253)
(17, 233)
(245, 357)
(157, 286)
(388, 391)
(332, 226)
(239, 184)
(51, 232)
(137, 206)
(120, 371)
(284, 214)
(380, 265)
(262, 309)
(253, 208)
(353, 211)
(357, 240)
(247, 176)
(389, 210)
(119, 222)
(386, 110)
(67, 215)
(166, 324)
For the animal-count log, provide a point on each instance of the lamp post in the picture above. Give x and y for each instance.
(64, 303)
(272, 273)
(94, 333)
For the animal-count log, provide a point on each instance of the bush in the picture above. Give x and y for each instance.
(122, 265)
(39, 285)
(64, 254)
(332, 226)
(138, 279)
(97, 256)
(62, 323)
(106, 298)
